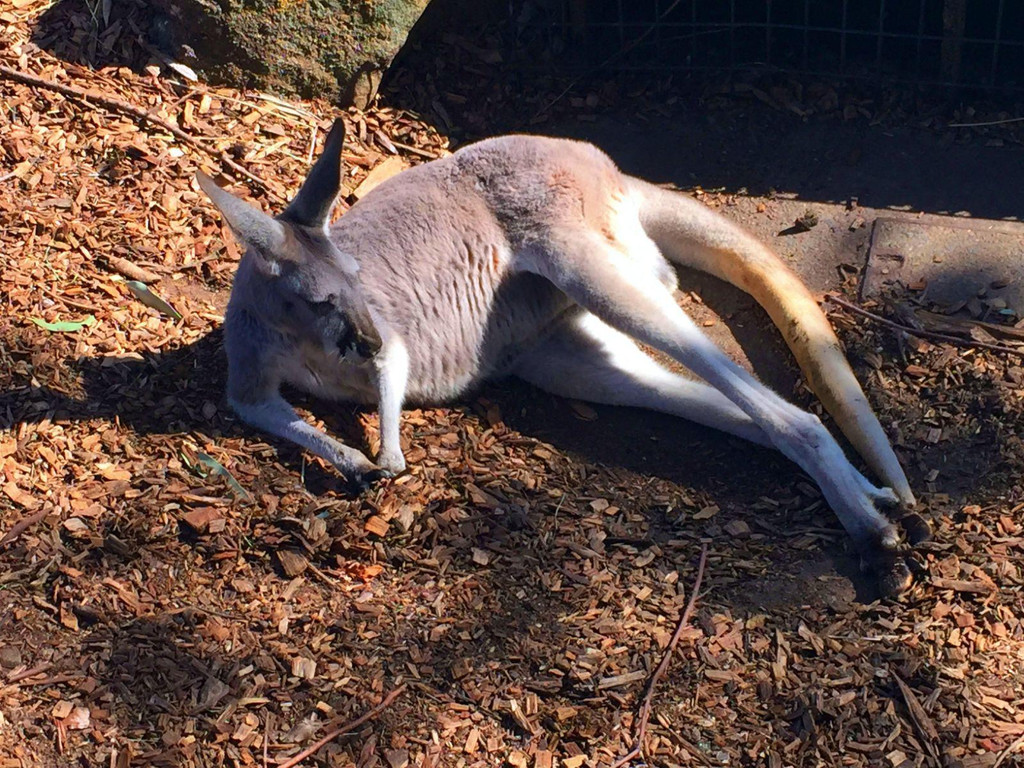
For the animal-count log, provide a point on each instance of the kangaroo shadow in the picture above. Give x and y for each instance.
(162, 392)
(175, 391)
(180, 390)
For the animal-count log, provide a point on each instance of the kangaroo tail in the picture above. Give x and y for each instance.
(690, 234)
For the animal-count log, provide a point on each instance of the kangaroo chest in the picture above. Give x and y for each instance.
(462, 327)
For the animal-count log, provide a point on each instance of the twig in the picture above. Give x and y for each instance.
(697, 755)
(684, 620)
(117, 105)
(22, 525)
(455, 697)
(26, 673)
(1008, 751)
(201, 609)
(919, 717)
(343, 729)
(130, 269)
(312, 145)
(266, 736)
(328, 580)
(415, 150)
(988, 122)
(69, 302)
(920, 332)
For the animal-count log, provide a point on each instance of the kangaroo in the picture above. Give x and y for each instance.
(534, 257)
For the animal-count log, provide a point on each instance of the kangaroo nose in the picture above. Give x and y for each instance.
(368, 344)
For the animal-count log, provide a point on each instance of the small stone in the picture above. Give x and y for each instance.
(481, 556)
(10, 657)
(737, 528)
(807, 222)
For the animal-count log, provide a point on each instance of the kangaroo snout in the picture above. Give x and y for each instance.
(369, 343)
(360, 334)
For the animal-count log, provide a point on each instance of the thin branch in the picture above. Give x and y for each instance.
(415, 150)
(27, 673)
(267, 727)
(988, 122)
(130, 269)
(343, 729)
(118, 105)
(684, 620)
(920, 332)
(1009, 751)
(23, 525)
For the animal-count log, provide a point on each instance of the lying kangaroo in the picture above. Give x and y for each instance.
(535, 257)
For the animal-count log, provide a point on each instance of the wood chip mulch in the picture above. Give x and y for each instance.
(177, 591)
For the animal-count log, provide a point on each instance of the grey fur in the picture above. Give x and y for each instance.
(516, 255)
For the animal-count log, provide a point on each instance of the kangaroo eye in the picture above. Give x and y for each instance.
(289, 305)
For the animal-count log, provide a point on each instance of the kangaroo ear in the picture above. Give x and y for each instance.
(251, 226)
(312, 205)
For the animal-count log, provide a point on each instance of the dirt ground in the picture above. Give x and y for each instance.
(177, 589)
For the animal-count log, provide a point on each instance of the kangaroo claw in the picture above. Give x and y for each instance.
(894, 577)
(891, 562)
(376, 475)
(359, 484)
(917, 529)
(890, 570)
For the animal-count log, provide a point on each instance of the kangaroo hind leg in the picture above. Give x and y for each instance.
(600, 277)
(689, 233)
(586, 359)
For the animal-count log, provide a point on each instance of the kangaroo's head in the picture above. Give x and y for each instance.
(310, 288)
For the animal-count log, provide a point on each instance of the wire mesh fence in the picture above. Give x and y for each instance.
(976, 43)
